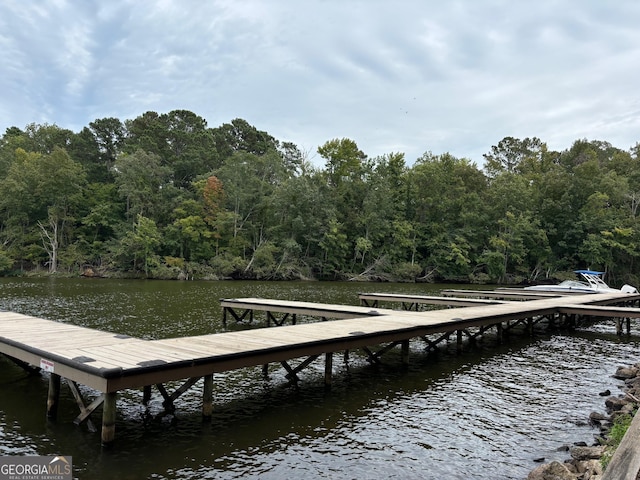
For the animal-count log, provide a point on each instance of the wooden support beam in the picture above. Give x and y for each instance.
(207, 397)
(409, 306)
(328, 369)
(238, 318)
(170, 398)
(109, 419)
(306, 363)
(167, 399)
(625, 462)
(375, 357)
(293, 372)
(53, 397)
(405, 352)
(513, 324)
(433, 344)
(80, 402)
(279, 322)
(89, 410)
(372, 357)
(146, 394)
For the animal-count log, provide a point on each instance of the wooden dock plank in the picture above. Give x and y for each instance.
(215, 346)
(302, 308)
(428, 299)
(108, 362)
(98, 361)
(504, 294)
(124, 358)
(602, 311)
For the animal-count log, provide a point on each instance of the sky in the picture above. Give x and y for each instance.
(409, 76)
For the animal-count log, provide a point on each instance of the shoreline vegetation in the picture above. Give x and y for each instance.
(165, 196)
(208, 275)
(589, 462)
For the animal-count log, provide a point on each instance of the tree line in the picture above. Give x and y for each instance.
(166, 196)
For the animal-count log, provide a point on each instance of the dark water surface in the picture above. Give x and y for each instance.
(486, 413)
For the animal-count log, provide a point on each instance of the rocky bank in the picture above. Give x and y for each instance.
(585, 461)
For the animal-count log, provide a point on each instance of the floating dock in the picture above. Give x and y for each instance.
(110, 362)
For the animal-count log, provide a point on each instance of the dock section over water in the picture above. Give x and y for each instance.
(111, 362)
(413, 302)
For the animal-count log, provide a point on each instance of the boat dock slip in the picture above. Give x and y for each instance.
(110, 362)
(290, 308)
(412, 302)
(506, 294)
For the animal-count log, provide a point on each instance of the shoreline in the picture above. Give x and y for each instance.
(589, 462)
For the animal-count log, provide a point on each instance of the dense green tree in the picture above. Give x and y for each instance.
(344, 161)
(164, 195)
(13, 139)
(239, 136)
(189, 146)
(97, 147)
(447, 202)
(513, 155)
(45, 138)
(141, 243)
(42, 192)
(140, 177)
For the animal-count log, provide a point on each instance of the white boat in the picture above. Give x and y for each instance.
(589, 282)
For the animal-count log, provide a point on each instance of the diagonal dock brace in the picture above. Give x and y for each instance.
(85, 411)
(292, 373)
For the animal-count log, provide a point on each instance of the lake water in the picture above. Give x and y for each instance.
(486, 413)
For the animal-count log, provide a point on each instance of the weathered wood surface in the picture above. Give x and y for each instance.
(502, 293)
(109, 362)
(428, 299)
(602, 311)
(625, 463)
(302, 308)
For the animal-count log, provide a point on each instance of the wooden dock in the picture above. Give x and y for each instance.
(413, 302)
(506, 294)
(110, 362)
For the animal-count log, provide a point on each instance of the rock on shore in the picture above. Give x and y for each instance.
(585, 463)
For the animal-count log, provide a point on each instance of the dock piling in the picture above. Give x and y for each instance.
(109, 418)
(328, 369)
(53, 396)
(207, 397)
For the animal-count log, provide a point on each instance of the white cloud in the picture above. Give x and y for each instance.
(410, 76)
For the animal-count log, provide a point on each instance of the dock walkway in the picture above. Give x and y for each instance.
(110, 362)
(413, 301)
